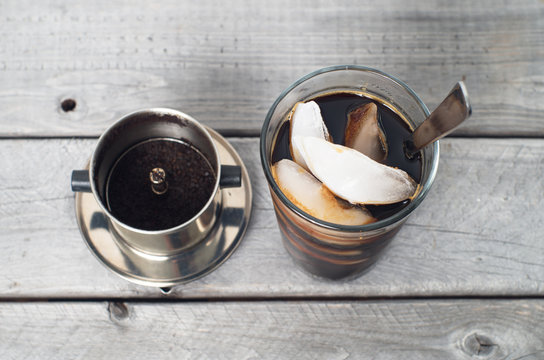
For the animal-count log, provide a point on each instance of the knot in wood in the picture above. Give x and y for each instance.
(479, 345)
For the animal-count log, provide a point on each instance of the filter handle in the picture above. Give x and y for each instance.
(81, 181)
(231, 176)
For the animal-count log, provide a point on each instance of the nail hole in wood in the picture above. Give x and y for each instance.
(68, 105)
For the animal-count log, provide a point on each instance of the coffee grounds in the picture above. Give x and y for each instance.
(189, 176)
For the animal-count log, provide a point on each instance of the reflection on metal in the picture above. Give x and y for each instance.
(190, 264)
(451, 112)
(157, 176)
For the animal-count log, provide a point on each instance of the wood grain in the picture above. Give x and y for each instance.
(460, 329)
(478, 232)
(226, 62)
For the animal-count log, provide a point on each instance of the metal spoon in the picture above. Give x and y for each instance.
(453, 110)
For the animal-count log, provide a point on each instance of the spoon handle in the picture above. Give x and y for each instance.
(453, 110)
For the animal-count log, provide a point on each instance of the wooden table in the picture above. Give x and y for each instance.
(464, 278)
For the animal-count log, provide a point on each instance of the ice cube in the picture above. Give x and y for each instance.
(309, 195)
(353, 176)
(363, 133)
(306, 121)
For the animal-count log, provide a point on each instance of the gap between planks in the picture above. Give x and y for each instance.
(229, 133)
(233, 133)
(279, 299)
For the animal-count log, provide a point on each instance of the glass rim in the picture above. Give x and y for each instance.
(400, 215)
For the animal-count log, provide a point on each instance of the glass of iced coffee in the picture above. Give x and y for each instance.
(333, 152)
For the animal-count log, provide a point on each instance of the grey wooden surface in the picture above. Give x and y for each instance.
(226, 62)
(444, 329)
(464, 279)
(470, 236)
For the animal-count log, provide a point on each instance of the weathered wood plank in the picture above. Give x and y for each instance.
(274, 330)
(226, 62)
(479, 231)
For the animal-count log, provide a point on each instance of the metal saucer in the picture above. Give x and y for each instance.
(169, 270)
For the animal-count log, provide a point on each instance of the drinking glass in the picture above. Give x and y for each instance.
(326, 249)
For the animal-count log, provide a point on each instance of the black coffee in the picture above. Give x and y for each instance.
(190, 182)
(335, 108)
